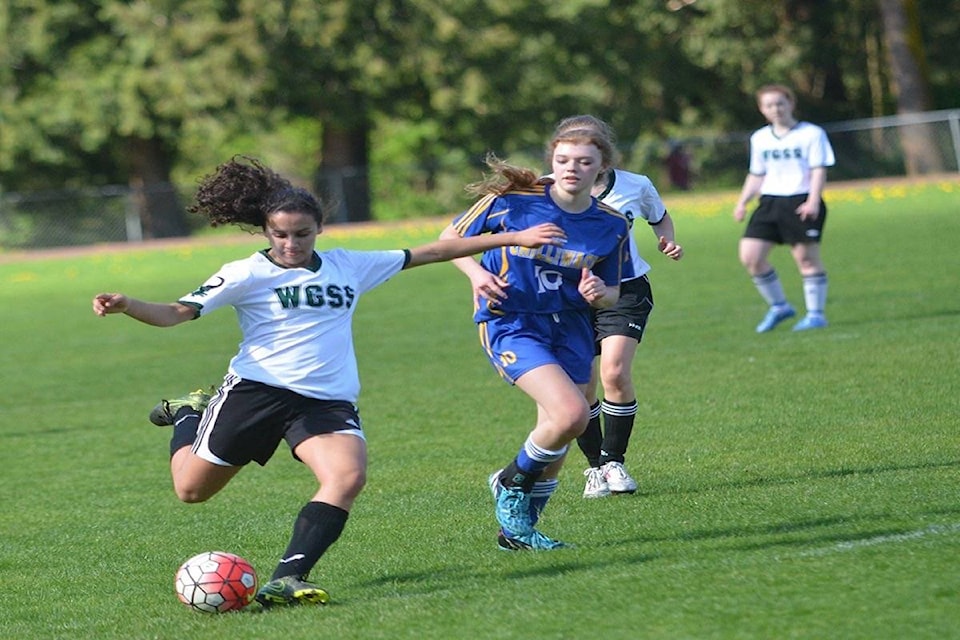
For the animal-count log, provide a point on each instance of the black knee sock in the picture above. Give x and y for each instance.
(589, 441)
(185, 425)
(617, 426)
(317, 527)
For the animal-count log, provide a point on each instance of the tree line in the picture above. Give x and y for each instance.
(153, 92)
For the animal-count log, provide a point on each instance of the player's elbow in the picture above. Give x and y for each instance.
(449, 233)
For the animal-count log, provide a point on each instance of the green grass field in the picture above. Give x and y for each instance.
(792, 485)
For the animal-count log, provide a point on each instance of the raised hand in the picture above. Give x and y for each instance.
(591, 287)
(104, 303)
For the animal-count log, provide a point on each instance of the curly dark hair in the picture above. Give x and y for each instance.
(244, 192)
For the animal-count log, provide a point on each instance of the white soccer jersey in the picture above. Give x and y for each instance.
(297, 324)
(785, 163)
(634, 196)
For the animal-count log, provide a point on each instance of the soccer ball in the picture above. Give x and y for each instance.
(215, 582)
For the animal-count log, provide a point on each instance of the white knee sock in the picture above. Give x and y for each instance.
(815, 293)
(768, 284)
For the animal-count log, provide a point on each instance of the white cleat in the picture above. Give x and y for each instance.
(617, 478)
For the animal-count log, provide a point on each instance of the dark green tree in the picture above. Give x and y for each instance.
(106, 92)
(911, 86)
(148, 93)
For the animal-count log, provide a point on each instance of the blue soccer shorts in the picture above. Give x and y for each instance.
(518, 343)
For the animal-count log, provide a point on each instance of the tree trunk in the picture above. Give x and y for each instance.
(908, 66)
(161, 212)
(343, 180)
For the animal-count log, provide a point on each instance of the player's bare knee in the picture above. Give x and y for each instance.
(191, 494)
(348, 484)
(576, 423)
(191, 497)
(616, 379)
(357, 481)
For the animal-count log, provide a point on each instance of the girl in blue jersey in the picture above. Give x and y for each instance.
(295, 376)
(533, 309)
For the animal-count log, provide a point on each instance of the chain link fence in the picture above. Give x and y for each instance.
(865, 149)
(77, 217)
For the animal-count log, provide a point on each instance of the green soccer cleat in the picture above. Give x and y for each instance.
(291, 590)
(166, 410)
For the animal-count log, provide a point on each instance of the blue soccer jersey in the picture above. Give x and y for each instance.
(545, 280)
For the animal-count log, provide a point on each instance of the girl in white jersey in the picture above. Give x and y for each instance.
(295, 375)
(788, 169)
(619, 329)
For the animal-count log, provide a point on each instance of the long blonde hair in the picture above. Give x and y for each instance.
(507, 177)
(504, 177)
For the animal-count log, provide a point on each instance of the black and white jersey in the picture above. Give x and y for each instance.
(634, 195)
(785, 162)
(297, 323)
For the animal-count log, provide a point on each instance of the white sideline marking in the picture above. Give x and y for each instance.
(932, 530)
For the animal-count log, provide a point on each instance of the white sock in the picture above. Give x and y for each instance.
(542, 454)
(815, 293)
(768, 284)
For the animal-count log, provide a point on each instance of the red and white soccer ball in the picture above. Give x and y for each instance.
(215, 582)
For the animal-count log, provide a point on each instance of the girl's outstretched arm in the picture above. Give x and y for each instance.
(152, 313)
(451, 248)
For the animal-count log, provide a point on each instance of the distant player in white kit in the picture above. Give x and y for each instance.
(788, 169)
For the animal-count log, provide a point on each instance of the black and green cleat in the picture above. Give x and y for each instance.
(166, 410)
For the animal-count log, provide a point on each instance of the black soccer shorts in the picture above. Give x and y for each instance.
(775, 220)
(629, 316)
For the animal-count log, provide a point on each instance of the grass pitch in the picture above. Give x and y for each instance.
(792, 485)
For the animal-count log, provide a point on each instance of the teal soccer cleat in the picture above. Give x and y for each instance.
(534, 541)
(513, 509)
(810, 321)
(775, 316)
